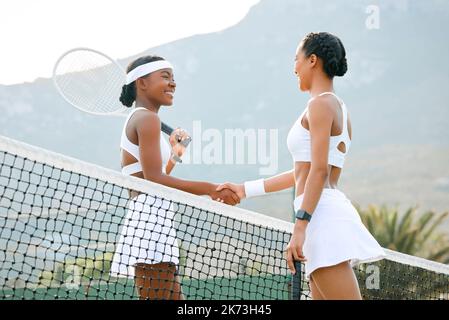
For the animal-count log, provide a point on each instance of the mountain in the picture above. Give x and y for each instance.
(242, 77)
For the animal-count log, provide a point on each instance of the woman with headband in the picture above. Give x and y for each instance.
(147, 249)
(328, 235)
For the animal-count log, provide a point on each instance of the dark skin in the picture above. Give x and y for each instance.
(159, 281)
(326, 117)
(144, 129)
(323, 119)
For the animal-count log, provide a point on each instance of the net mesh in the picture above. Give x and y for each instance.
(73, 230)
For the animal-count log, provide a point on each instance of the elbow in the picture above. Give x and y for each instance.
(153, 176)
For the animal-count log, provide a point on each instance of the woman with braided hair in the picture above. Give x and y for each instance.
(147, 249)
(328, 235)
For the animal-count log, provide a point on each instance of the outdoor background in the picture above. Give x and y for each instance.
(241, 76)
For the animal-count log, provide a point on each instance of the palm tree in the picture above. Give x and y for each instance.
(414, 236)
(406, 233)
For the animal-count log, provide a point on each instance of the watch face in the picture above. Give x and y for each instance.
(302, 215)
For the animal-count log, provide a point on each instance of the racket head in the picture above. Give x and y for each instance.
(90, 81)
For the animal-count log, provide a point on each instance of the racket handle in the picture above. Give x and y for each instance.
(296, 285)
(166, 129)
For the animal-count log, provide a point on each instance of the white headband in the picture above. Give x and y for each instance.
(147, 68)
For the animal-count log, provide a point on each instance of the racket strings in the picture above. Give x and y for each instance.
(90, 81)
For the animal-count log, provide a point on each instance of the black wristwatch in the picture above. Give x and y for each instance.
(303, 215)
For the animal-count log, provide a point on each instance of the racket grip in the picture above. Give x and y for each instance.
(166, 129)
(296, 284)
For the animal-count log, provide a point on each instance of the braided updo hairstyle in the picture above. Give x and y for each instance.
(330, 49)
(128, 95)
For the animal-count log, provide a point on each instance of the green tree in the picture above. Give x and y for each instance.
(406, 233)
(91, 269)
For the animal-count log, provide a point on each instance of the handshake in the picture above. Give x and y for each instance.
(229, 193)
(232, 193)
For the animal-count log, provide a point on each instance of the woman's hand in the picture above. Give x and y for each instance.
(238, 189)
(294, 252)
(226, 195)
(177, 140)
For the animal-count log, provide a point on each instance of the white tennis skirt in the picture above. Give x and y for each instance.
(336, 234)
(147, 236)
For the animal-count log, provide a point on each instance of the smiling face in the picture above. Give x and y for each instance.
(159, 87)
(304, 68)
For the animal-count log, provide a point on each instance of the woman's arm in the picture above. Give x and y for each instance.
(320, 125)
(148, 128)
(280, 182)
(169, 167)
(276, 183)
(177, 136)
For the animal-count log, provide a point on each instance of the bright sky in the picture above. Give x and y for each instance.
(34, 33)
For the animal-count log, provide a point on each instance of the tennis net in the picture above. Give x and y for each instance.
(71, 230)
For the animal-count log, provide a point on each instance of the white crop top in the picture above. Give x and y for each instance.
(133, 149)
(299, 143)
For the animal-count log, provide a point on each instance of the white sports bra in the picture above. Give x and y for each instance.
(133, 149)
(299, 143)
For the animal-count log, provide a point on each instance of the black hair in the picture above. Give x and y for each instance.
(330, 49)
(128, 94)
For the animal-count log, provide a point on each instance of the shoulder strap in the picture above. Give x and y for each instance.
(130, 114)
(344, 110)
(125, 143)
(329, 92)
(345, 130)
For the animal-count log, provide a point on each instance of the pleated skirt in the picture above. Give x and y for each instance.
(147, 236)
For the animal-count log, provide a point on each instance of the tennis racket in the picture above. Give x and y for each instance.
(92, 82)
